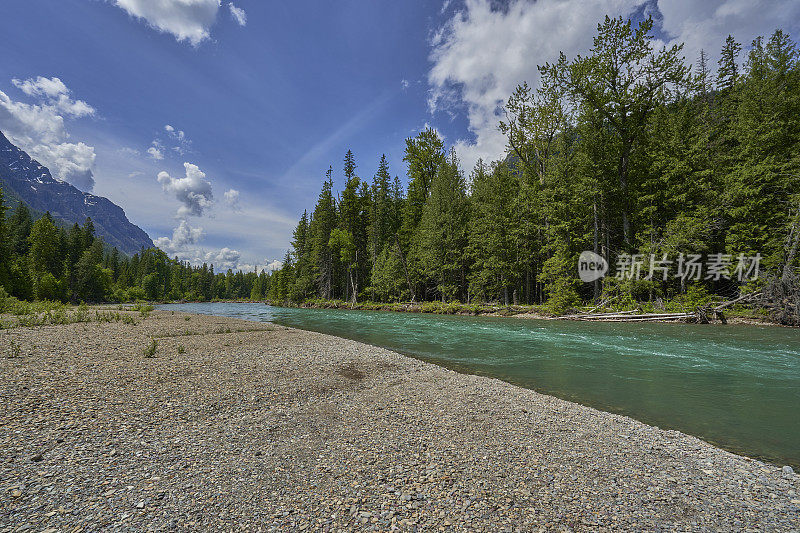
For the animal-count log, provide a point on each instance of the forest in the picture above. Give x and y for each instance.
(627, 150)
(624, 151)
(43, 260)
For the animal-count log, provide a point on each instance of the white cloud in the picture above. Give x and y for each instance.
(224, 259)
(183, 237)
(193, 191)
(187, 20)
(238, 14)
(232, 199)
(72, 162)
(274, 265)
(41, 86)
(155, 151)
(174, 140)
(481, 54)
(40, 129)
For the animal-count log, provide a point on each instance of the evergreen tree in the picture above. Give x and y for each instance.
(443, 230)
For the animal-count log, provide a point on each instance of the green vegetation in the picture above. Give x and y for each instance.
(44, 266)
(150, 349)
(14, 350)
(624, 151)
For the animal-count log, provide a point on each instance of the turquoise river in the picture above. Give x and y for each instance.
(735, 386)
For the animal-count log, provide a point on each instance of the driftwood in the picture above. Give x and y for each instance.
(602, 304)
(745, 298)
(701, 315)
(627, 316)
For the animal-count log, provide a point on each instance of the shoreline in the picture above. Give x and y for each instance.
(511, 311)
(266, 426)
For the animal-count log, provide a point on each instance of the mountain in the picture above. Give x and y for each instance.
(24, 179)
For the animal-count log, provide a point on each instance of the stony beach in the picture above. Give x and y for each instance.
(236, 425)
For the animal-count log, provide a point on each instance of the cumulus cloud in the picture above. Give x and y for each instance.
(224, 259)
(193, 190)
(184, 244)
(40, 129)
(232, 199)
(56, 94)
(182, 241)
(274, 265)
(72, 162)
(238, 14)
(186, 20)
(483, 52)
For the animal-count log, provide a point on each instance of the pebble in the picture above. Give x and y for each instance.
(275, 429)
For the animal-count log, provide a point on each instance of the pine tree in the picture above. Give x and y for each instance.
(380, 219)
(443, 231)
(728, 73)
(424, 155)
(323, 221)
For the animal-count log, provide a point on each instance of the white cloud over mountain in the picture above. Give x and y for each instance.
(482, 53)
(40, 129)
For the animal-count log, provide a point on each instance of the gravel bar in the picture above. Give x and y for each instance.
(237, 425)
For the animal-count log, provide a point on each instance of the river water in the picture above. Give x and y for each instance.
(735, 386)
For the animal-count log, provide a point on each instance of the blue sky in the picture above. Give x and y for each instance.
(258, 107)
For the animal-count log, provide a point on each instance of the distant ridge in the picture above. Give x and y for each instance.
(24, 179)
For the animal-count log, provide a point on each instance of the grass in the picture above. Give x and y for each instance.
(14, 350)
(681, 304)
(45, 313)
(439, 308)
(181, 348)
(143, 308)
(150, 349)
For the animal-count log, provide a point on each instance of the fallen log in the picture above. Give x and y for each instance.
(746, 297)
(629, 317)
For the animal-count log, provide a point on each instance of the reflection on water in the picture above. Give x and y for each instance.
(735, 386)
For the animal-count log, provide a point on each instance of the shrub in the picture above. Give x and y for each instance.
(150, 349)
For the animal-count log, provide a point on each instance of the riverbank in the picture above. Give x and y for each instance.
(236, 424)
(738, 315)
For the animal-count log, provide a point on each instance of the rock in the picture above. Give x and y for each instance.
(788, 471)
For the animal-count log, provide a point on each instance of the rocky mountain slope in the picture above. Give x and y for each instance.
(24, 179)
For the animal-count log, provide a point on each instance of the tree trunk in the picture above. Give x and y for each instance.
(623, 183)
(596, 250)
(792, 243)
(354, 294)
